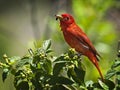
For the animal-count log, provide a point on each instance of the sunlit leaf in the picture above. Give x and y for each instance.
(70, 87)
(14, 59)
(89, 83)
(83, 87)
(46, 45)
(103, 85)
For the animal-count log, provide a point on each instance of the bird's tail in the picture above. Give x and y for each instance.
(94, 60)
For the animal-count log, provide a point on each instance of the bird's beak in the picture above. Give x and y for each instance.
(58, 17)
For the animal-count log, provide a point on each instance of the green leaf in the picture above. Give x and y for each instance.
(18, 73)
(47, 66)
(14, 59)
(106, 85)
(37, 85)
(22, 62)
(61, 58)
(22, 85)
(103, 85)
(46, 45)
(60, 80)
(5, 74)
(80, 73)
(118, 88)
(88, 83)
(63, 87)
(58, 87)
(36, 59)
(77, 73)
(71, 73)
(58, 67)
(116, 64)
(110, 73)
(97, 85)
(70, 87)
(118, 73)
(49, 50)
(109, 83)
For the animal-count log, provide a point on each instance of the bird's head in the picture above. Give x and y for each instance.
(65, 19)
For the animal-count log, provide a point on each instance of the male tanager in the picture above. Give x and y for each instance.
(77, 39)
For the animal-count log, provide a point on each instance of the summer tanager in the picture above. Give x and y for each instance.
(77, 39)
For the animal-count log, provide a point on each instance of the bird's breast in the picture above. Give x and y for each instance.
(74, 43)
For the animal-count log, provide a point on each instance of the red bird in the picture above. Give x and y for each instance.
(77, 39)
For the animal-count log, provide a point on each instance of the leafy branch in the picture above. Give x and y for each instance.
(40, 70)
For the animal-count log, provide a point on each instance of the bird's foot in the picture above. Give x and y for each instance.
(79, 55)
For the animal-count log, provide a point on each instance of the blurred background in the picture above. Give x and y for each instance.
(23, 22)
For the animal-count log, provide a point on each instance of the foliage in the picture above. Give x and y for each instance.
(40, 70)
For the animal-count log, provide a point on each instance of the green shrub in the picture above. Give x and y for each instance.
(40, 70)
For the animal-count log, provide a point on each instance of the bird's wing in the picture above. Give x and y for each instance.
(82, 37)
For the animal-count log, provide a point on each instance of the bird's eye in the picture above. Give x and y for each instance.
(66, 18)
